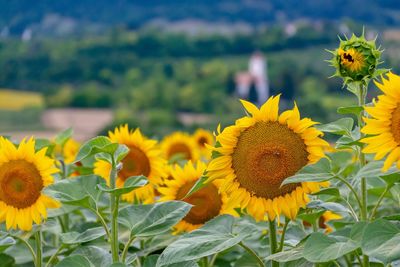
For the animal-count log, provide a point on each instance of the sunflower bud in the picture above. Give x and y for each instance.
(356, 60)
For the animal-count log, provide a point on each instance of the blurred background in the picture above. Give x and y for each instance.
(168, 65)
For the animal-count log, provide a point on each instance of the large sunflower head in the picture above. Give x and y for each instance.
(356, 59)
(203, 138)
(179, 145)
(143, 159)
(384, 123)
(258, 152)
(24, 173)
(207, 202)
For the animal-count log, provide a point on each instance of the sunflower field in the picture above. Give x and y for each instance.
(272, 189)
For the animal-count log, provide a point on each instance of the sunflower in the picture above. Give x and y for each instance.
(179, 145)
(351, 59)
(207, 202)
(143, 159)
(255, 155)
(385, 123)
(202, 138)
(326, 217)
(24, 173)
(70, 150)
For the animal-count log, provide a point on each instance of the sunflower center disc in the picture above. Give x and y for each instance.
(202, 141)
(180, 148)
(135, 163)
(265, 155)
(396, 124)
(20, 184)
(206, 203)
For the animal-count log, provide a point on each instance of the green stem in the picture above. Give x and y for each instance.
(26, 243)
(360, 204)
(102, 221)
(126, 248)
(281, 243)
(54, 256)
(381, 197)
(65, 217)
(212, 261)
(251, 252)
(114, 203)
(38, 241)
(272, 241)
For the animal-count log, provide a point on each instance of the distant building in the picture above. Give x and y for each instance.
(256, 75)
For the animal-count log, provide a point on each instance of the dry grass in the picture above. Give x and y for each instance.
(18, 100)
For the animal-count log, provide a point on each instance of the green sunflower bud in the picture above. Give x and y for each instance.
(356, 60)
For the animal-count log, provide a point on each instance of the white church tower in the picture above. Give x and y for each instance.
(258, 71)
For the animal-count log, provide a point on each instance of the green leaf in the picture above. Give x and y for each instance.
(130, 184)
(6, 242)
(197, 186)
(318, 172)
(295, 253)
(391, 179)
(151, 261)
(80, 191)
(6, 260)
(356, 110)
(94, 146)
(153, 219)
(99, 257)
(63, 137)
(373, 169)
(310, 217)
(332, 191)
(332, 206)
(340, 127)
(215, 236)
(121, 153)
(322, 248)
(75, 261)
(381, 240)
(78, 238)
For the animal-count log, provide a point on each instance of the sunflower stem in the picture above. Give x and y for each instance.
(126, 248)
(273, 241)
(114, 206)
(251, 252)
(65, 218)
(281, 244)
(381, 197)
(38, 241)
(364, 209)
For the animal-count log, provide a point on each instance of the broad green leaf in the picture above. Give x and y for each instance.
(80, 191)
(332, 206)
(394, 217)
(342, 126)
(153, 219)
(356, 110)
(151, 261)
(197, 186)
(99, 257)
(6, 260)
(373, 169)
(63, 137)
(94, 146)
(391, 179)
(311, 217)
(381, 240)
(42, 143)
(130, 184)
(215, 236)
(318, 172)
(88, 235)
(292, 254)
(332, 191)
(75, 261)
(118, 264)
(357, 232)
(6, 242)
(322, 248)
(121, 152)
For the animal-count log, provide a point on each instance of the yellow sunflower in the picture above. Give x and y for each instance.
(207, 202)
(70, 150)
(180, 145)
(351, 59)
(143, 159)
(326, 217)
(385, 123)
(260, 151)
(202, 138)
(24, 173)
